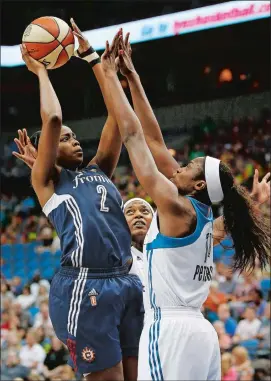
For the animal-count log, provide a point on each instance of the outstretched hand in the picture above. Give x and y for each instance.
(261, 190)
(124, 59)
(84, 44)
(109, 62)
(27, 152)
(32, 64)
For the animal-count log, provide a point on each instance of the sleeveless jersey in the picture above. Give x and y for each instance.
(178, 271)
(87, 213)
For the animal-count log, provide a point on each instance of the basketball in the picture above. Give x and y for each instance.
(49, 40)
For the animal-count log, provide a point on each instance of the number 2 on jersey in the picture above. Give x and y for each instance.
(102, 190)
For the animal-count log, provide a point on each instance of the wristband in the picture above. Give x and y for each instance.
(89, 55)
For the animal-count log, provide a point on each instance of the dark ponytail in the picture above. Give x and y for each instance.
(249, 232)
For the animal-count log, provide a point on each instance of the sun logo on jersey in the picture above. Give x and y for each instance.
(88, 354)
(93, 294)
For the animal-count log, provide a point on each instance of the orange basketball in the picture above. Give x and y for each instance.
(49, 40)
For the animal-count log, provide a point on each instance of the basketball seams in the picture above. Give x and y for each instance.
(54, 32)
(48, 31)
(59, 55)
(45, 43)
(57, 27)
(64, 38)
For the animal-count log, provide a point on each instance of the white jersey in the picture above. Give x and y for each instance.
(178, 271)
(137, 266)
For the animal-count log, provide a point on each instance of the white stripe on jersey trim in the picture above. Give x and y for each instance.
(77, 254)
(77, 295)
(74, 254)
(54, 201)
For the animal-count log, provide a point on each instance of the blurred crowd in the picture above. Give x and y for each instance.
(29, 348)
(238, 305)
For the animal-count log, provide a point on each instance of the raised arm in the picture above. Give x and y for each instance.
(51, 115)
(163, 192)
(153, 135)
(109, 148)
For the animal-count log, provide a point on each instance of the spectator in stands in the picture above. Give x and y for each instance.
(215, 298)
(248, 327)
(26, 299)
(263, 334)
(5, 322)
(228, 372)
(246, 284)
(16, 285)
(32, 355)
(42, 319)
(224, 316)
(36, 282)
(6, 294)
(30, 229)
(43, 295)
(49, 241)
(11, 368)
(62, 373)
(242, 364)
(262, 370)
(11, 342)
(228, 281)
(13, 231)
(259, 302)
(22, 314)
(223, 338)
(58, 355)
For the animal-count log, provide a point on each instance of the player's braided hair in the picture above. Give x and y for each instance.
(248, 230)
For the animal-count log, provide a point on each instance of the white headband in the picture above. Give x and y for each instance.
(137, 199)
(212, 178)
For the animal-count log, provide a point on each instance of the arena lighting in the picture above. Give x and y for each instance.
(225, 75)
(193, 20)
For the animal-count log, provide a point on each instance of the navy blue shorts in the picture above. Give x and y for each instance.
(99, 318)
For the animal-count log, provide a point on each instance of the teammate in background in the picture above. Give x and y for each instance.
(177, 343)
(138, 213)
(95, 305)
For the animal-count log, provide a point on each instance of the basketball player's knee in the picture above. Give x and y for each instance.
(115, 373)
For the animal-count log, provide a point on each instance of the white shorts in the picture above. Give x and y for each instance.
(178, 345)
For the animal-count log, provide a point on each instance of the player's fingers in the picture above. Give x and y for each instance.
(121, 53)
(21, 137)
(19, 156)
(25, 136)
(19, 145)
(130, 51)
(115, 39)
(22, 52)
(126, 41)
(256, 175)
(116, 47)
(80, 38)
(266, 177)
(75, 27)
(121, 43)
(107, 49)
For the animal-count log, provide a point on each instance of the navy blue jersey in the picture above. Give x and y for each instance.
(87, 213)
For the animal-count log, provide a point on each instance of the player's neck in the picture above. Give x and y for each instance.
(139, 245)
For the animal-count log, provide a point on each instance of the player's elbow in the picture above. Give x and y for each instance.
(52, 120)
(55, 120)
(131, 135)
